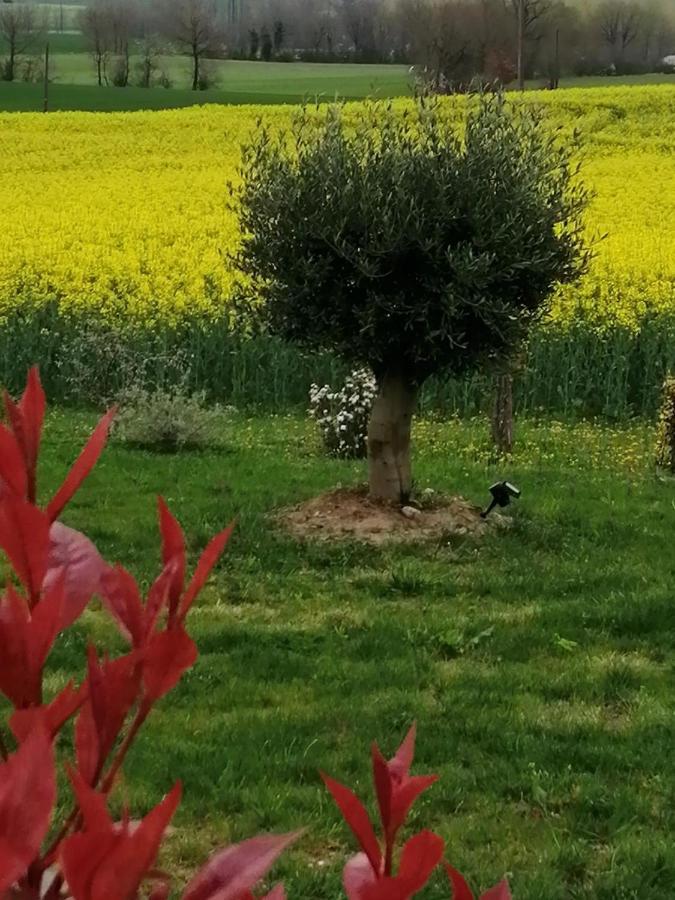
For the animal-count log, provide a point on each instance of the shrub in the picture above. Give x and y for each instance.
(665, 445)
(343, 415)
(167, 418)
(56, 570)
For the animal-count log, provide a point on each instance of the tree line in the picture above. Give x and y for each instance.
(451, 41)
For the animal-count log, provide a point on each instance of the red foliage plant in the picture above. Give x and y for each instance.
(88, 856)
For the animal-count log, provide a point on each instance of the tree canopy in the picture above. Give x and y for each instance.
(402, 241)
(410, 240)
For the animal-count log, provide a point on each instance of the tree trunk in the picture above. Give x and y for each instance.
(389, 473)
(195, 71)
(502, 414)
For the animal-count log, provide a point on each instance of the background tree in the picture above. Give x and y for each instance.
(19, 29)
(278, 36)
(396, 243)
(266, 46)
(194, 27)
(253, 43)
(96, 28)
(619, 22)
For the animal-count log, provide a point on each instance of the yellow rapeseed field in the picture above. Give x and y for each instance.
(126, 213)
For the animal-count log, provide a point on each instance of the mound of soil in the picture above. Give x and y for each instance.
(349, 513)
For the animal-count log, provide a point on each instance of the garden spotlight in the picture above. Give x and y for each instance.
(501, 492)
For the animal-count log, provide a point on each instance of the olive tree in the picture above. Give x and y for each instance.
(411, 242)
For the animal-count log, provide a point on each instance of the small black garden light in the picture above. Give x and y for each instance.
(501, 492)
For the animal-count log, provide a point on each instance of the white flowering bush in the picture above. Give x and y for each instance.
(342, 415)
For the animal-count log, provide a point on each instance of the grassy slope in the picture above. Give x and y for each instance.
(238, 81)
(538, 665)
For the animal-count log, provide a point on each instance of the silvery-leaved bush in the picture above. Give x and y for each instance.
(342, 415)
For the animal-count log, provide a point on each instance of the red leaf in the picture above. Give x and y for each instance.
(24, 536)
(73, 556)
(113, 688)
(207, 561)
(498, 892)
(81, 467)
(51, 717)
(92, 804)
(358, 876)
(160, 891)
(87, 751)
(383, 787)
(357, 818)
(420, 856)
(403, 798)
(81, 856)
(26, 419)
(400, 765)
(233, 871)
(26, 638)
(12, 467)
(27, 795)
(168, 655)
(110, 861)
(460, 889)
(18, 676)
(173, 552)
(121, 596)
(158, 596)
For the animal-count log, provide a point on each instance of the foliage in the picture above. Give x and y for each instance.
(167, 419)
(90, 856)
(342, 415)
(56, 571)
(370, 874)
(399, 244)
(665, 446)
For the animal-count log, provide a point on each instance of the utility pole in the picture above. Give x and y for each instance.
(556, 77)
(521, 45)
(45, 97)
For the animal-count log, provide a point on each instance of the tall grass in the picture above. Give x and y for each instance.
(573, 371)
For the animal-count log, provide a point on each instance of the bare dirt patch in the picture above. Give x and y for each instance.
(350, 514)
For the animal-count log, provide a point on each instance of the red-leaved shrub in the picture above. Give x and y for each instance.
(88, 856)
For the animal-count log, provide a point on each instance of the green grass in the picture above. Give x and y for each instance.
(65, 42)
(237, 81)
(538, 664)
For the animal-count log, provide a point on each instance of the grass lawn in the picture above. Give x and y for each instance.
(237, 81)
(538, 664)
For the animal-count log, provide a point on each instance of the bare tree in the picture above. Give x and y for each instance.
(530, 17)
(19, 29)
(359, 18)
(95, 25)
(123, 20)
(193, 26)
(619, 22)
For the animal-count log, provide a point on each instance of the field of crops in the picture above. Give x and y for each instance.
(123, 217)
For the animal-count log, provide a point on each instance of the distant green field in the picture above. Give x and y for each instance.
(64, 42)
(236, 81)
